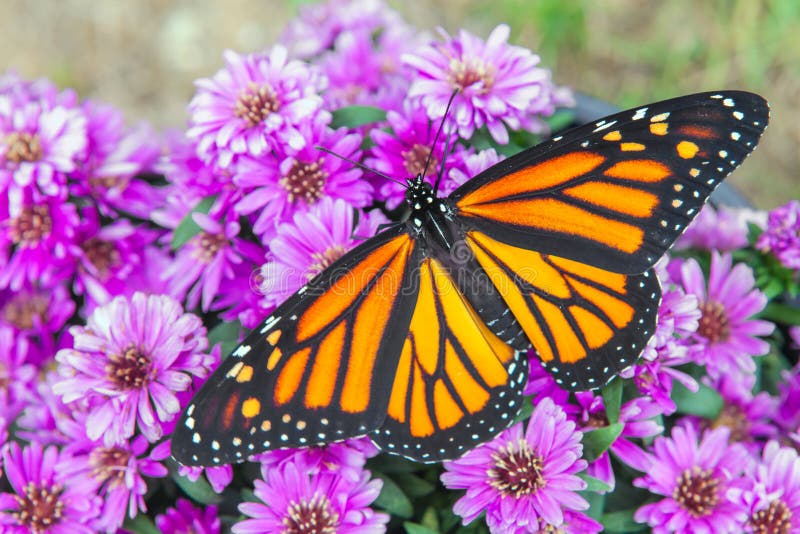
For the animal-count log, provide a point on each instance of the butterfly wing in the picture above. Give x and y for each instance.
(457, 384)
(586, 323)
(616, 193)
(319, 369)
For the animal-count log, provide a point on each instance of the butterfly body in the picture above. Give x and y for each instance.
(417, 337)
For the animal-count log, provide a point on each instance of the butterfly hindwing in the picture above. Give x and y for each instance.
(586, 323)
(618, 192)
(457, 384)
(319, 369)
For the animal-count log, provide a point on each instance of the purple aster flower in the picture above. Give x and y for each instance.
(542, 384)
(39, 315)
(22, 91)
(574, 523)
(293, 500)
(194, 179)
(365, 68)
(46, 419)
(280, 185)
(787, 416)
(772, 492)
(17, 377)
(723, 229)
(522, 478)
(317, 26)
(471, 164)
(726, 338)
(114, 158)
(130, 360)
(208, 259)
(107, 256)
(37, 232)
(497, 82)
(346, 457)
(242, 299)
(782, 236)
(116, 473)
(403, 153)
(678, 318)
(253, 105)
(312, 242)
(637, 417)
(186, 518)
(39, 145)
(745, 414)
(694, 479)
(41, 501)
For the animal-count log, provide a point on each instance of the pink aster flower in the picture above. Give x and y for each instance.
(403, 153)
(694, 479)
(39, 145)
(209, 259)
(638, 419)
(291, 499)
(747, 415)
(37, 231)
(242, 299)
(278, 186)
(678, 319)
(185, 517)
(116, 473)
(253, 105)
(522, 478)
(346, 457)
(782, 235)
(723, 229)
(497, 82)
(312, 242)
(787, 416)
(727, 336)
(318, 25)
(129, 361)
(107, 256)
(40, 500)
(772, 492)
(365, 68)
(541, 384)
(117, 158)
(471, 164)
(38, 314)
(17, 377)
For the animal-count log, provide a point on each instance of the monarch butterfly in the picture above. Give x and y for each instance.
(417, 337)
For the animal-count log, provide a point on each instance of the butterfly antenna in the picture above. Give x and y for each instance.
(438, 132)
(360, 165)
(444, 160)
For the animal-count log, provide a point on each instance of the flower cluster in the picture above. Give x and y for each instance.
(130, 261)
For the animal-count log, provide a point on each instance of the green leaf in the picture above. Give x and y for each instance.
(612, 399)
(621, 522)
(353, 116)
(199, 490)
(705, 403)
(781, 313)
(187, 228)
(525, 411)
(414, 486)
(596, 442)
(594, 484)
(415, 528)
(225, 332)
(141, 524)
(392, 499)
(387, 463)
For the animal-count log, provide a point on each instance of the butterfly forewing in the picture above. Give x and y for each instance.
(618, 192)
(319, 369)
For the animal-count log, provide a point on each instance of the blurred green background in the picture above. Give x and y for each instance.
(142, 55)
